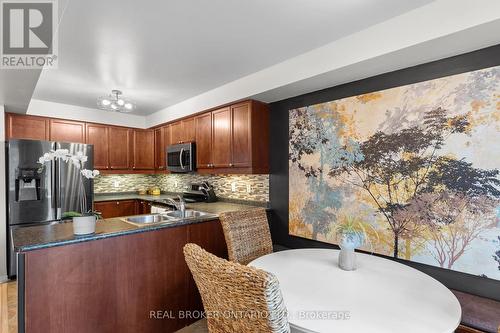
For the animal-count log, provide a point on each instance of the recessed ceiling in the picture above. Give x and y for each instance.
(160, 53)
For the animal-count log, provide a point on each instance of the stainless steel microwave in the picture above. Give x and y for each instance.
(181, 157)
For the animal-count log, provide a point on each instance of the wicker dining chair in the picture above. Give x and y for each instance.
(247, 234)
(236, 298)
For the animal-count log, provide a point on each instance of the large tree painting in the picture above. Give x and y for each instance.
(419, 163)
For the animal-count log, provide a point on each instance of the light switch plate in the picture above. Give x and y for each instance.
(233, 187)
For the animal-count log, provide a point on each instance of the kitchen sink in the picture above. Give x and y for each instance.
(146, 219)
(188, 214)
(163, 218)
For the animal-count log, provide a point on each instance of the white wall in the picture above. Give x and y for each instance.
(66, 111)
(3, 218)
(437, 30)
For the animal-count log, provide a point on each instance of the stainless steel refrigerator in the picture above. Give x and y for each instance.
(40, 196)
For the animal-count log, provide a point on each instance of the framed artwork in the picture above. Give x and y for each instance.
(417, 165)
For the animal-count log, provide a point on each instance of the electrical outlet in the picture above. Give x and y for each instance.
(249, 188)
(116, 183)
(176, 184)
(233, 187)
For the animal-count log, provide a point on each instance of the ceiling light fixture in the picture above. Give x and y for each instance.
(115, 102)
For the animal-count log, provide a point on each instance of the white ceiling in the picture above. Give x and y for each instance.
(160, 53)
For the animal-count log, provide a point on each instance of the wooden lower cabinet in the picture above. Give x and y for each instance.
(118, 208)
(130, 283)
(143, 207)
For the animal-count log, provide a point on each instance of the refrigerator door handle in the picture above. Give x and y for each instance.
(57, 186)
(53, 188)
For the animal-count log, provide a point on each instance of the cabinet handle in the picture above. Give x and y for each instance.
(118, 202)
(231, 165)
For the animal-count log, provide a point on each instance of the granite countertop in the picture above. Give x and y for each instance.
(58, 234)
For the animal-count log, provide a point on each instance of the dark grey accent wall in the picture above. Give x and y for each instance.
(279, 153)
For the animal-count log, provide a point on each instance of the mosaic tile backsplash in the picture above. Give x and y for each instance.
(243, 187)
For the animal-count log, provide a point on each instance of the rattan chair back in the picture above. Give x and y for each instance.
(236, 298)
(247, 234)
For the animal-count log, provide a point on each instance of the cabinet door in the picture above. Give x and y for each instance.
(119, 148)
(241, 119)
(144, 149)
(27, 127)
(160, 148)
(203, 125)
(144, 207)
(176, 133)
(221, 138)
(167, 137)
(97, 135)
(67, 131)
(110, 209)
(188, 130)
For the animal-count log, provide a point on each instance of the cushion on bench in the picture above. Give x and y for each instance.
(479, 312)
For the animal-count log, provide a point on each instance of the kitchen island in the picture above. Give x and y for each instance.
(123, 278)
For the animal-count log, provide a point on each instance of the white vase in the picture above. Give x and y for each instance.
(83, 225)
(347, 259)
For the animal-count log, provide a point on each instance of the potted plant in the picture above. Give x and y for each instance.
(84, 221)
(352, 233)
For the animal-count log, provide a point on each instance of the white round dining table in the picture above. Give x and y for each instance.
(381, 296)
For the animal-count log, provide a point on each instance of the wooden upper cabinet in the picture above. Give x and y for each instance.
(67, 131)
(119, 148)
(183, 131)
(162, 140)
(241, 118)
(97, 135)
(144, 149)
(176, 133)
(203, 124)
(221, 138)
(188, 130)
(26, 127)
(239, 139)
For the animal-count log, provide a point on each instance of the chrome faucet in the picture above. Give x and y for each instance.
(180, 206)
